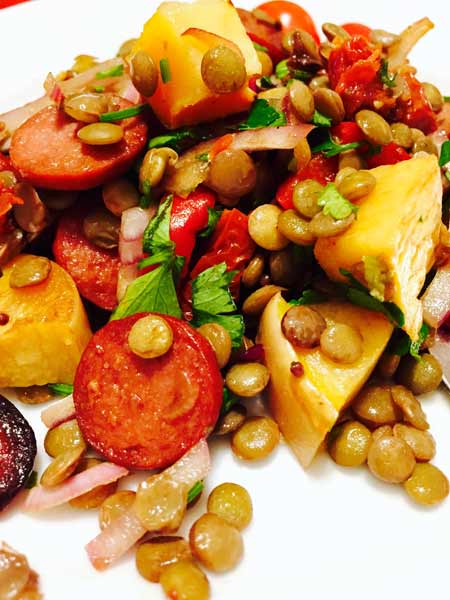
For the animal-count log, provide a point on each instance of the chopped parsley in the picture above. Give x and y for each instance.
(155, 291)
(116, 71)
(321, 120)
(179, 139)
(195, 491)
(98, 88)
(282, 69)
(308, 297)
(386, 78)
(213, 303)
(126, 113)
(213, 218)
(334, 204)
(146, 199)
(330, 148)
(164, 67)
(401, 344)
(357, 294)
(446, 98)
(266, 83)
(203, 157)
(228, 401)
(445, 154)
(62, 389)
(263, 115)
(260, 48)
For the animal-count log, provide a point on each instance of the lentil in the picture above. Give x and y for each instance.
(232, 174)
(161, 504)
(410, 406)
(305, 197)
(154, 166)
(64, 437)
(341, 343)
(374, 127)
(357, 185)
(421, 442)
(263, 227)
(374, 406)
(231, 421)
(223, 70)
(220, 340)
(253, 271)
(256, 439)
(102, 228)
(391, 459)
(420, 376)
(427, 485)
(215, 543)
(349, 444)
(185, 581)
(330, 104)
(115, 506)
(144, 73)
(154, 556)
(302, 326)
(325, 226)
(302, 100)
(232, 503)
(29, 270)
(150, 337)
(100, 134)
(247, 379)
(61, 467)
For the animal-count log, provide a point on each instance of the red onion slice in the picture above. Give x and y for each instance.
(133, 224)
(116, 539)
(441, 351)
(436, 300)
(58, 412)
(41, 498)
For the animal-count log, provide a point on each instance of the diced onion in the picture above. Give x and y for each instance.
(436, 300)
(58, 412)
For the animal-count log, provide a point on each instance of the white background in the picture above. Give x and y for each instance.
(328, 533)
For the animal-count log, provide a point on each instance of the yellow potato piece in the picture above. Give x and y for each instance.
(46, 333)
(307, 407)
(185, 99)
(397, 223)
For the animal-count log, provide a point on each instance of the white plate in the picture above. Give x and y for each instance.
(327, 533)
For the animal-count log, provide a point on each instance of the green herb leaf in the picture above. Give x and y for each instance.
(32, 480)
(228, 401)
(195, 491)
(263, 115)
(98, 88)
(447, 175)
(146, 199)
(329, 148)
(126, 113)
(212, 302)
(308, 297)
(260, 48)
(321, 120)
(387, 78)
(157, 232)
(204, 157)
(402, 345)
(213, 217)
(164, 67)
(446, 98)
(152, 292)
(175, 139)
(445, 154)
(116, 71)
(415, 346)
(282, 69)
(334, 204)
(62, 389)
(266, 83)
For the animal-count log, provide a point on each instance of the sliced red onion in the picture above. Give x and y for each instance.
(127, 274)
(116, 539)
(41, 498)
(441, 351)
(132, 227)
(58, 412)
(436, 300)
(189, 172)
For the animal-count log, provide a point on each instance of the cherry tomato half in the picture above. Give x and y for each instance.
(357, 29)
(290, 16)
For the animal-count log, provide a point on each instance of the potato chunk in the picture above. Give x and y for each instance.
(46, 332)
(307, 406)
(175, 33)
(398, 225)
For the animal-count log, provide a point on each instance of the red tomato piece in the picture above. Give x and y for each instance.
(94, 270)
(347, 132)
(389, 155)
(416, 111)
(230, 243)
(7, 3)
(290, 16)
(264, 34)
(47, 152)
(188, 217)
(146, 413)
(319, 168)
(357, 29)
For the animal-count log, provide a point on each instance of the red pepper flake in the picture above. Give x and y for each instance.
(297, 369)
(4, 319)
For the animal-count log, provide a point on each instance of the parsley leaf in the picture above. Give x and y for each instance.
(195, 491)
(157, 234)
(357, 294)
(334, 204)
(164, 68)
(445, 154)
(263, 115)
(329, 148)
(203, 157)
(282, 69)
(153, 292)
(212, 302)
(228, 401)
(62, 389)
(385, 76)
(179, 139)
(308, 297)
(260, 48)
(401, 344)
(213, 217)
(321, 120)
(446, 98)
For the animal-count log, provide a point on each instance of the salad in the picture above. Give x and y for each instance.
(232, 208)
